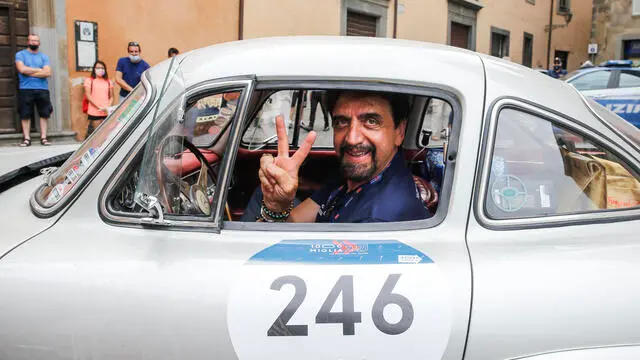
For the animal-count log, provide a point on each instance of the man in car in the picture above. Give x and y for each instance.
(375, 186)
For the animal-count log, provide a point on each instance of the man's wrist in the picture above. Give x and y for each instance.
(277, 207)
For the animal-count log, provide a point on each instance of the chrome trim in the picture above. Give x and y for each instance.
(226, 171)
(168, 221)
(551, 220)
(45, 212)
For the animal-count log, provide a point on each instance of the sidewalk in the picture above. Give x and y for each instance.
(56, 138)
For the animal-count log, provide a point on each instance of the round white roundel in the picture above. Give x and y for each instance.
(322, 299)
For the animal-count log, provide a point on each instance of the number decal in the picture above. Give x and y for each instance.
(280, 327)
(385, 298)
(348, 316)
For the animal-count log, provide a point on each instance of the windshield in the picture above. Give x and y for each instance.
(631, 132)
(64, 179)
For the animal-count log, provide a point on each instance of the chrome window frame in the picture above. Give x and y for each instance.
(328, 83)
(180, 222)
(482, 179)
(45, 212)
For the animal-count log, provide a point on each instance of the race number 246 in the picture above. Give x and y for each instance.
(348, 317)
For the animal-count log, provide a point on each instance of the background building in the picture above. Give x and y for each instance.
(517, 30)
(616, 29)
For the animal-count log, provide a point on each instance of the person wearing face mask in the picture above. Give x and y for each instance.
(557, 71)
(34, 68)
(129, 69)
(99, 92)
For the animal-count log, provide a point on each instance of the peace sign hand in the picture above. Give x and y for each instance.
(279, 175)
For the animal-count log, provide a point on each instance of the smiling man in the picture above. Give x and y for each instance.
(374, 186)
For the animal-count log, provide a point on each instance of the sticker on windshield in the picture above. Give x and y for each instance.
(347, 299)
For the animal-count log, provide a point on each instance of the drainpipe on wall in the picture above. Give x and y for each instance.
(241, 20)
(550, 30)
(395, 19)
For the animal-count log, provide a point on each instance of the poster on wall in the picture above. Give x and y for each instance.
(86, 39)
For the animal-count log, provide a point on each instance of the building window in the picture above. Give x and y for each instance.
(361, 25)
(636, 7)
(460, 35)
(564, 6)
(499, 42)
(527, 50)
(364, 18)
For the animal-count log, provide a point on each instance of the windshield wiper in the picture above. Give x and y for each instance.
(30, 171)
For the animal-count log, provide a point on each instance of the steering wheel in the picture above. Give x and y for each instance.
(171, 185)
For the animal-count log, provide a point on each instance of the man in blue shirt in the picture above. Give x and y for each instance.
(34, 68)
(129, 69)
(557, 71)
(375, 186)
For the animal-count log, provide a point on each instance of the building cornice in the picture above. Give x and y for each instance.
(471, 4)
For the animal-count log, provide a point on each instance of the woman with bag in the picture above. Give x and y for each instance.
(98, 92)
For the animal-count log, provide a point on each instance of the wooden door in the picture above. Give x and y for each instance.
(14, 29)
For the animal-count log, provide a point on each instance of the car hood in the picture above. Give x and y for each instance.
(13, 158)
(18, 223)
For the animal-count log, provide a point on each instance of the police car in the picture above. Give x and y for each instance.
(614, 84)
(134, 246)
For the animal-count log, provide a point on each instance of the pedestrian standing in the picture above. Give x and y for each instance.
(316, 99)
(557, 71)
(99, 92)
(172, 52)
(34, 68)
(129, 69)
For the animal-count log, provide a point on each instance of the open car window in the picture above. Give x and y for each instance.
(302, 110)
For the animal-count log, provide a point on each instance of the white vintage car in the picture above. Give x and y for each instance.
(138, 246)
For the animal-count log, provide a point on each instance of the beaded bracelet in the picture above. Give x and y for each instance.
(274, 215)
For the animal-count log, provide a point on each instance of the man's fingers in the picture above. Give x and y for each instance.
(266, 184)
(283, 140)
(281, 176)
(265, 161)
(304, 149)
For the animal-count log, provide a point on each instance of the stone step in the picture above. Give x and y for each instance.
(55, 137)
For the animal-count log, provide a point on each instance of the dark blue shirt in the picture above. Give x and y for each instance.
(390, 196)
(38, 61)
(131, 72)
(556, 74)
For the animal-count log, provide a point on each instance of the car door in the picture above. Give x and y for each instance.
(352, 291)
(553, 246)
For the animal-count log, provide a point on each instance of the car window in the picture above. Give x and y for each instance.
(435, 123)
(262, 130)
(172, 172)
(315, 116)
(629, 79)
(289, 103)
(594, 80)
(539, 169)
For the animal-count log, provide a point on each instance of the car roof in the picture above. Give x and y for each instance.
(459, 71)
(328, 57)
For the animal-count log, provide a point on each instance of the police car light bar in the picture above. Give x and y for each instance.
(617, 63)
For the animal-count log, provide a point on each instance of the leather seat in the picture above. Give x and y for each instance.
(427, 193)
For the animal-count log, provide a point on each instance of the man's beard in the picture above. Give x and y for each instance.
(358, 172)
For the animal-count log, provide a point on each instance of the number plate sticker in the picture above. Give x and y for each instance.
(338, 299)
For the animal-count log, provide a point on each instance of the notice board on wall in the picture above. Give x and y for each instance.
(86, 39)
